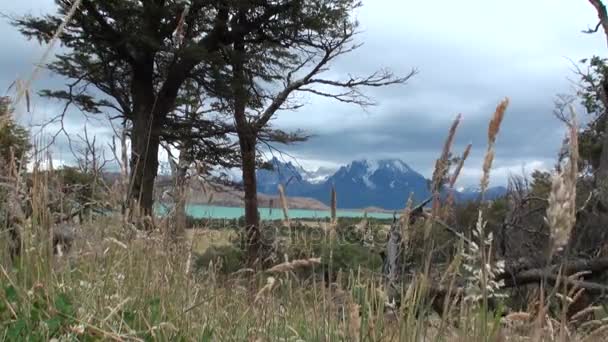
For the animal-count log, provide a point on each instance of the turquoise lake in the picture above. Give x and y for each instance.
(210, 211)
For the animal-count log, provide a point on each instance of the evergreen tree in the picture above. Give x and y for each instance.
(133, 59)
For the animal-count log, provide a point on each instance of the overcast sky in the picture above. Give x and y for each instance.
(469, 54)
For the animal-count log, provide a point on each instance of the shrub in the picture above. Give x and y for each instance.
(226, 258)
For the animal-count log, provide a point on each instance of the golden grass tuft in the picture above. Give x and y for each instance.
(266, 289)
(442, 168)
(493, 129)
(295, 264)
(441, 165)
(354, 322)
(497, 118)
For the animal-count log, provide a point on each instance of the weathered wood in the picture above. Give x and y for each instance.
(393, 263)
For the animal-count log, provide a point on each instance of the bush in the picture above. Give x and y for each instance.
(14, 139)
(342, 252)
(226, 259)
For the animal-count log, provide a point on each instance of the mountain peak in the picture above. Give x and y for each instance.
(373, 165)
(395, 164)
(380, 175)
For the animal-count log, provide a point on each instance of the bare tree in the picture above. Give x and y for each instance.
(295, 58)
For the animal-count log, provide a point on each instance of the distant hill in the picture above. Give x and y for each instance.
(222, 195)
(382, 183)
(229, 197)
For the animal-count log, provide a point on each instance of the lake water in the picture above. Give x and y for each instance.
(210, 211)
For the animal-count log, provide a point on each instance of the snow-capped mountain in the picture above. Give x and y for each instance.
(375, 173)
(382, 183)
(318, 176)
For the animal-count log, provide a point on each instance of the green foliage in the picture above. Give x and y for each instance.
(72, 190)
(14, 149)
(78, 184)
(541, 184)
(466, 214)
(14, 139)
(345, 256)
(226, 258)
(590, 93)
(591, 89)
(349, 222)
(495, 214)
(35, 316)
(347, 250)
(213, 223)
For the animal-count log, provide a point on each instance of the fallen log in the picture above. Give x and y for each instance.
(553, 275)
(556, 272)
(538, 276)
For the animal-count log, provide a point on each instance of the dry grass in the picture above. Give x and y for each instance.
(289, 266)
(202, 239)
(125, 289)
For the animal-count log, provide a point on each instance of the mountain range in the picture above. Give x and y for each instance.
(384, 183)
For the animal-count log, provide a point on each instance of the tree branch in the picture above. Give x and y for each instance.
(602, 15)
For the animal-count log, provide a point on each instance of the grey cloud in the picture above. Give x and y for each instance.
(470, 55)
(467, 63)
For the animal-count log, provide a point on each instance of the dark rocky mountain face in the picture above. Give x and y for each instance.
(383, 183)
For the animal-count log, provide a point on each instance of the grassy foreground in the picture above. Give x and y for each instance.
(139, 287)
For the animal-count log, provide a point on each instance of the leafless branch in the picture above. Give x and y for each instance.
(561, 103)
(327, 51)
(594, 30)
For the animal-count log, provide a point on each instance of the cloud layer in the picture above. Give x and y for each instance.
(470, 54)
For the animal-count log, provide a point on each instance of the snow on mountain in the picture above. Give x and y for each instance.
(318, 176)
(471, 189)
(372, 166)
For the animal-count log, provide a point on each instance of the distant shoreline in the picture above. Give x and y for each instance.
(369, 210)
(205, 210)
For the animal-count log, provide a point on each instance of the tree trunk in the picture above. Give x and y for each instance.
(247, 142)
(247, 135)
(145, 135)
(181, 171)
(252, 217)
(145, 142)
